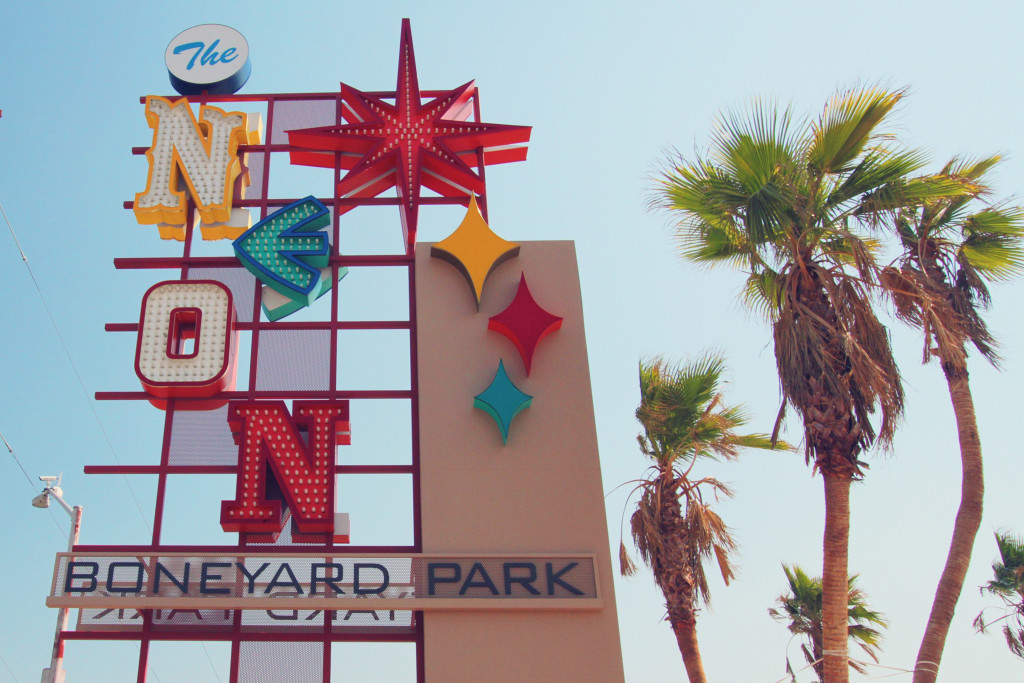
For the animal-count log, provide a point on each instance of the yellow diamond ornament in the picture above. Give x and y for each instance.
(474, 249)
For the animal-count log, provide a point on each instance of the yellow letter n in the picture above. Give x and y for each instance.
(200, 156)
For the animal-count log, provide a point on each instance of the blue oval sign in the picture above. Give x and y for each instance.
(210, 57)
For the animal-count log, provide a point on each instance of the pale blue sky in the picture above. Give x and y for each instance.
(607, 90)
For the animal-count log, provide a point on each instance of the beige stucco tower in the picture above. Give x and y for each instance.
(541, 493)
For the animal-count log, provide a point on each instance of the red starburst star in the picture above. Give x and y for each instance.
(408, 145)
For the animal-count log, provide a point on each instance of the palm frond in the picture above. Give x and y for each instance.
(707, 536)
(898, 192)
(973, 168)
(1014, 640)
(993, 242)
(711, 245)
(627, 567)
(1008, 585)
(759, 150)
(801, 608)
(847, 125)
(762, 293)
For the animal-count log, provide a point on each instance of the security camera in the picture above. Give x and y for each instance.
(47, 479)
(42, 500)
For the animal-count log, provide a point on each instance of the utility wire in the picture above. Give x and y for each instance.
(7, 666)
(899, 671)
(85, 391)
(32, 485)
(149, 667)
(208, 657)
(74, 367)
(20, 466)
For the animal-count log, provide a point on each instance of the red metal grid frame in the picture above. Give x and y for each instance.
(183, 264)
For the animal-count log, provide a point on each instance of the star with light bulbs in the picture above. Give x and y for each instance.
(408, 145)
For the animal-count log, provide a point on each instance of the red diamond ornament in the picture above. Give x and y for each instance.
(524, 322)
(408, 145)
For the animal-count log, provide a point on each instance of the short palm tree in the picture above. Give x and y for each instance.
(939, 284)
(674, 528)
(781, 201)
(1008, 585)
(801, 607)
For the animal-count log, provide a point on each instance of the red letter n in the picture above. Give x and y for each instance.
(298, 453)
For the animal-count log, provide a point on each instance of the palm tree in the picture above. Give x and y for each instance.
(802, 608)
(780, 200)
(674, 528)
(938, 285)
(1008, 585)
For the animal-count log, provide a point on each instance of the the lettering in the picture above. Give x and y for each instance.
(251, 577)
(452, 578)
(291, 581)
(182, 585)
(187, 342)
(72, 574)
(200, 156)
(337, 572)
(524, 581)
(382, 584)
(434, 577)
(207, 58)
(372, 613)
(556, 578)
(115, 586)
(483, 582)
(207, 575)
(300, 452)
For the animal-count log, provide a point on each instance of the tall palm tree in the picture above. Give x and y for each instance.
(939, 284)
(674, 528)
(802, 608)
(1008, 585)
(780, 200)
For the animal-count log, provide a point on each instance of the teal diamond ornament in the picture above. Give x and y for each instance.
(502, 400)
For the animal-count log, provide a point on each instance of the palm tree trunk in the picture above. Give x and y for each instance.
(965, 528)
(835, 591)
(686, 637)
(673, 575)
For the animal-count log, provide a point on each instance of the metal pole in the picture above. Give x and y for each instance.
(55, 674)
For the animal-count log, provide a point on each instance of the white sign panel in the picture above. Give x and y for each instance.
(205, 581)
(210, 57)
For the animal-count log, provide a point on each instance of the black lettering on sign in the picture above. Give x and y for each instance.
(337, 573)
(73, 574)
(182, 585)
(137, 588)
(483, 582)
(206, 576)
(556, 577)
(385, 579)
(433, 578)
(524, 581)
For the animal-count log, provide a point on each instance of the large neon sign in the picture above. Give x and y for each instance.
(266, 401)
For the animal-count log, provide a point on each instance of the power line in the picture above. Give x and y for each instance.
(92, 407)
(20, 466)
(74, 367)
(210, 659)
(7, 666)
(32, 485)
(148, 666)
